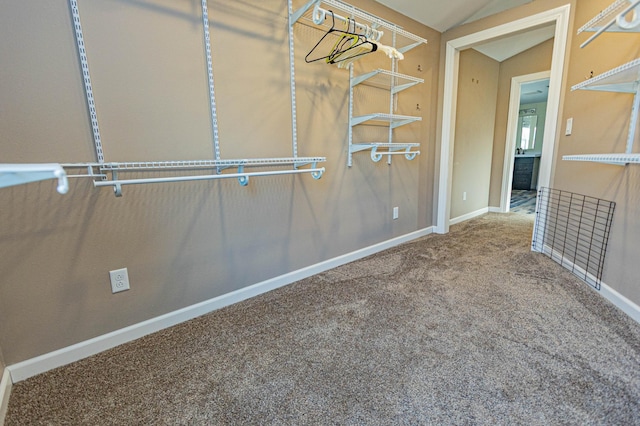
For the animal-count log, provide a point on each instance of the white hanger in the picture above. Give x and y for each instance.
(391, 52)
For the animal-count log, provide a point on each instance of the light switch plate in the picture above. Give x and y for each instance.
(569, 128)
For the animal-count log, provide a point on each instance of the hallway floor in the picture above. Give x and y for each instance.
(523, 201)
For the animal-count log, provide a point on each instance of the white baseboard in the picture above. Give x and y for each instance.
(626, 305)
(606, 291)
(31, 367)
(5, 391)
(468, 216)
(495, 210)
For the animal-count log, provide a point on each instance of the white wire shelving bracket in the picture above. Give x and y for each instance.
(366, 19)
(615, 159)
(212, 92)
(394, 120)
(19, 174)
(613, 19)
(88, 88)
(394, 82)
(384, 79)
(206, 164)
(101, 172)
(623, 79)
(393, 148)
(313, 14)
(108, 173)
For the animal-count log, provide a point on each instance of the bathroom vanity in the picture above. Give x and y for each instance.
(525, 171)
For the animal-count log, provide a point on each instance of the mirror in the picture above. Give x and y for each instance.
(527, 131)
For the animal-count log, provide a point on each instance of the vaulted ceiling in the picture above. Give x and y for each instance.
(442, 15)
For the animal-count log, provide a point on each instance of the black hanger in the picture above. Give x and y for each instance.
(347, 37)
(338, 54)
(332, 29)
(341, 45)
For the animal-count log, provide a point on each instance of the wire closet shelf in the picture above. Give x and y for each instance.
(613, 19)
(106, 173)
(323, 15)
(312, 13)
(622, 79)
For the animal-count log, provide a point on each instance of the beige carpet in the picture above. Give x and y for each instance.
(466, 328)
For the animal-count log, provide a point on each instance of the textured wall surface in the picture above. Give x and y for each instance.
(475, 121)
(601, 125)
(184, 243)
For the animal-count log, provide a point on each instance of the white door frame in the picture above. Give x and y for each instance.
(559, 16)
(512, 130)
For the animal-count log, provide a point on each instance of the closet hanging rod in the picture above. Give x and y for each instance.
(612, 10)
(374, 21)
(351, 11)
(243, 178)
(319, 15)
(377, 155)
(632, 6)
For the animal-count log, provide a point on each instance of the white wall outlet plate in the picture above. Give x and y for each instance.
(396, 212)
(119, 280)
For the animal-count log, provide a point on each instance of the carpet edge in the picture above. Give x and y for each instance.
(5, 392)
(469, 216)
(621, 302)
(67, 355)
(617, 299)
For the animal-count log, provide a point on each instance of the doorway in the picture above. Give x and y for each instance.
(525, 139)
(559, 17)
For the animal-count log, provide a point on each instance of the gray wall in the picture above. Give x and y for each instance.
(183, 243)
(600, 125)
(475, 121)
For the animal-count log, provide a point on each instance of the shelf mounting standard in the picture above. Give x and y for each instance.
(623, 79)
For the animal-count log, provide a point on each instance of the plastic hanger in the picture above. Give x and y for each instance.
(391, 52)
(346, 43)
(348, 40)
(330, 31)
(361, 45)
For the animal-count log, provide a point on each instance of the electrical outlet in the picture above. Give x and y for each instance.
(395, 213)
(119, 280)
(464, 196)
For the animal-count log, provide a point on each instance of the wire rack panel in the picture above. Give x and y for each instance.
(404, 39)
(203, 164)
(573, 230)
